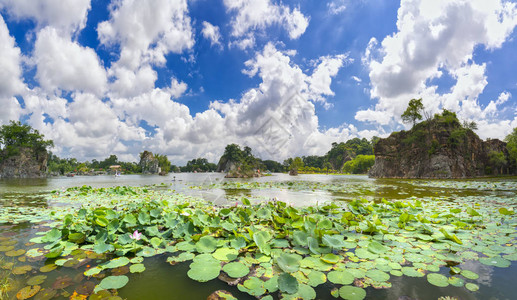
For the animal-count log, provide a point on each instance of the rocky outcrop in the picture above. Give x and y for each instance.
(225, 165)
(26, 163)
(149, 163)
(440, 148)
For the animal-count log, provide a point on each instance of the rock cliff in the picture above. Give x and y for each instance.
(439, 148)
(149, 163)
(27, 163)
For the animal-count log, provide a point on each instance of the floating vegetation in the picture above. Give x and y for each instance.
(265, 249)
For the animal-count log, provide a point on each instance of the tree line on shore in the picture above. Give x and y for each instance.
(354, 156)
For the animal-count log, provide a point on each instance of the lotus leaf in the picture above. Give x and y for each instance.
(238, 243)
(333, 241)
(62, 282)
(221, 295)
(331, 258)
(93, 271)
(469, 274)
(396, 273)
(6, 248)
(496, 261)
(112, 282)
(262, 238)
(45, 294)
(437, 279)
(137, 268)
(206, 244)
(340, 277)
(138, 259)
(203, 271)
(21, 270)
(287, 283)
(352, 293)
(27, 292)
(253, 286)
(412, 272)
(236, 269)
(456, 281)
(115, 263)
(512, 256)
(316, 278)
(52, 235)
(377, 275)
(300, 238)
(289, 262)
(271, 284)
(376, 247)
(472, 287)
(225, 254)
(14, 253)
(35, 280)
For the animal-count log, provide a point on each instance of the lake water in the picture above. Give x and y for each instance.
(162, 281)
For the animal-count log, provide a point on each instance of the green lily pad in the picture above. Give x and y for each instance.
(352, 293)
(225, 254)
(137, 268)
(496, 261)
(27, 292)
(316, 278)
(35, 280)
(469, 274)
(472, 287)
(377, 275)
(21, 270)
(412, 272)
(376, 247)
(437, 279)
(236, 269)
(287, 283)
(331, 258)
(112, 282)
(45, 294)
(456, 281)
(289, 262)
(340, 277)
(252, 286)
(92, 271)
(261, 238)
(204, 270)
(115, 263)
(14, 253)
(206, 244)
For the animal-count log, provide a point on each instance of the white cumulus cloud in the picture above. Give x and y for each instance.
(211, 33)
(66, 65)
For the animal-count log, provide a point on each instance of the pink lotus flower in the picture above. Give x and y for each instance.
(136, 235)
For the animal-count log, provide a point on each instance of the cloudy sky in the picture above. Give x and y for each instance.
(287, 78)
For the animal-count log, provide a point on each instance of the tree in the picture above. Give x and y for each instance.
(16, 135)
(498, 160)
(511, 145)
(413, 111)
(470, 125)
(327, 166)
(296, 164)
(163, 163)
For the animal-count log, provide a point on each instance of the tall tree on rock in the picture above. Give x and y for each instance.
(413, 111)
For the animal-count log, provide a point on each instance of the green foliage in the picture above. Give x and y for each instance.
(163, 163)
(511, 145)
(457, 137)
(199, 165)
(359, 165)
(296, 164)
(497, 160)
(413, 111)
(16, 135)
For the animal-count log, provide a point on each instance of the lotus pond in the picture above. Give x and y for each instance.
(191, 236)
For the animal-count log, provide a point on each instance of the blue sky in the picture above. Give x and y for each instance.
(185, 78)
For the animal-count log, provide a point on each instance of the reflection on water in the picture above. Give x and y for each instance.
(163, 281)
